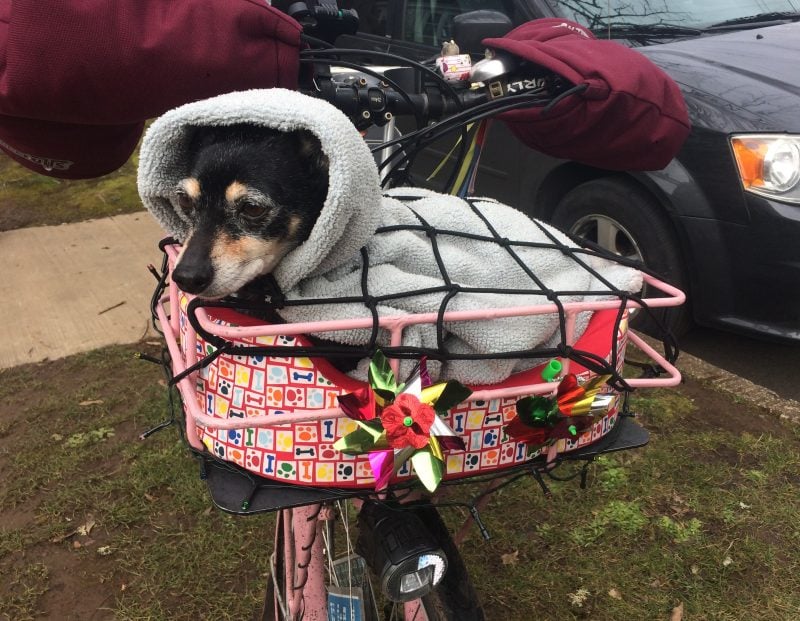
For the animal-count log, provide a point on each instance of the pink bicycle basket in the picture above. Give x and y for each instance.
(244, 387)
(278, 416)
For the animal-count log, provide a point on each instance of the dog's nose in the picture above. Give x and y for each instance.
(192, 279)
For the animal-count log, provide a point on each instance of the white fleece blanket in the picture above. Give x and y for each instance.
(328, 264)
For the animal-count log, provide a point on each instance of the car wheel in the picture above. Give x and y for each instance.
(626, 220)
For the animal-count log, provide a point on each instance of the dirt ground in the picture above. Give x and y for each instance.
(78, 583)
(82, 497)
(52, 559)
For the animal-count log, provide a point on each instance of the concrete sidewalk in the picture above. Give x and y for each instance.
(76, 287)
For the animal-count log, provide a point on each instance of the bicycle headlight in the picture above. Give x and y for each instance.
(400, 549)
(769, 164)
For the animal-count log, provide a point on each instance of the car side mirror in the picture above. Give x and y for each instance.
(469, 29)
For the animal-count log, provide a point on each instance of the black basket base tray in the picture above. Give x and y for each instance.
(235, 490)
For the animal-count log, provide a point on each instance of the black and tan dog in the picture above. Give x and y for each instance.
(252, 195)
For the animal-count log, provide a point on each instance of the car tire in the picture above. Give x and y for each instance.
(624, 219)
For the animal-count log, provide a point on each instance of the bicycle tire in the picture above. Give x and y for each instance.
(454, 598)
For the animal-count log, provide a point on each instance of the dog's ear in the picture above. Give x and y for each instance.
(310, 149)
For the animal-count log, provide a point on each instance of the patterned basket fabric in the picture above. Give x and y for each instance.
(303, 453)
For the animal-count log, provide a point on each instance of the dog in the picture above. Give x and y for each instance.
(252, 195)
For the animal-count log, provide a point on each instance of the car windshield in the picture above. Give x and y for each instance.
(600, 14)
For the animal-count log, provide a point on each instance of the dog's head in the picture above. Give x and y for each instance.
(252, 194)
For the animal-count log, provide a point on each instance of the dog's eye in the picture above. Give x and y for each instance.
(251, 210)
(185, 201)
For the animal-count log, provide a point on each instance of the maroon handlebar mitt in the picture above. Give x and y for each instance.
(631, 115)
(79, 77)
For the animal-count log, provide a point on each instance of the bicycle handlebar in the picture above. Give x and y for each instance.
(373, 95)
(379, 102)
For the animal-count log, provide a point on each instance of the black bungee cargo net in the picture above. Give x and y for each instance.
(274, 300)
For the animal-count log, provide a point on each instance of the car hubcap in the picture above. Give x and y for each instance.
(608, 234)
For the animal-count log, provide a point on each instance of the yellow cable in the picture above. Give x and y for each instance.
(441, 164)
(465, 165)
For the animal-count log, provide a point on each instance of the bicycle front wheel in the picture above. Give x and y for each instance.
(295, 587)
(454, 598)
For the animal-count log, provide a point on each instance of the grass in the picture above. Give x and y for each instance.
(29, 199)
(706, 519)
(706, 516)
(152, 517)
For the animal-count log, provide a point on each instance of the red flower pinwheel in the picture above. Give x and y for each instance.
(402, 422)
(407, 422)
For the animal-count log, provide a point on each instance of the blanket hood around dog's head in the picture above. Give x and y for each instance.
(352, 208)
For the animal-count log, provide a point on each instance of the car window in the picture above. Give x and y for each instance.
(371, 15)
(430, 22)
(689, 13)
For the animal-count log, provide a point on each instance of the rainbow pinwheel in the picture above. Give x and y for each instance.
(573, 410)
(398, 422)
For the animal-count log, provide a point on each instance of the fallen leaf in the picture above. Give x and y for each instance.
(510, 559)
(677, 613)
(727, 561)
(61, 538)
(162, 383)
(208, 510)
(150, 497)
(104, 550)
(695, 570)
(615, 594)
(91, 402)
(678, 506)
(86, 527)
(578, 598)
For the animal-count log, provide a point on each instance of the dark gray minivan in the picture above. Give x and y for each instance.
(722, 220)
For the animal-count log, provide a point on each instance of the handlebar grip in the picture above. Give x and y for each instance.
(325, 20)
(327, 11)
(375, 102)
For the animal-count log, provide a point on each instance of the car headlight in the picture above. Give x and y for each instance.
(769, 164)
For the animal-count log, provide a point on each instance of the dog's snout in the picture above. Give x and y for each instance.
(192, 278)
